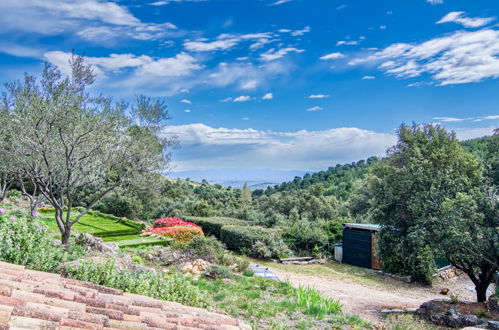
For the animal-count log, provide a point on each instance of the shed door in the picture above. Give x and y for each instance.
(357, 248)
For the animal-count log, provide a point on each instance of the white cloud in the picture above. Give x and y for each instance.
(268, 96)
(457, 58)
(332, 56)
(368, 77)
(459, 18)
(187, 110)
(273, 54)
(186, 101)
(435, 2)
(245, 118)
(159, 76)
(318, 96)
(471, 133)
(279, 2)
(450, 119)
(250, 84)
(227, 99)
(243, 98)
(226, 41)
(205, 147)
(101, 20)
(491, 117)
(315, 108)
(298, 33)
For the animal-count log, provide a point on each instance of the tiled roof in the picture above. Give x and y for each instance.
(36, 300)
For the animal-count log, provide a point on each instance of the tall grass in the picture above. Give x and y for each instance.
(315, 304)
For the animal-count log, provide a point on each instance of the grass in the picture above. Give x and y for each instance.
(109, 229)
(276, 305)
(88, 224)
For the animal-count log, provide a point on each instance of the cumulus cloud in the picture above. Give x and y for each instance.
(457, 58)
(318, 96)
(268, 96)
(186, 101)
(332, 56)
(368, 77)
(102, 20)
(459, 17)
(205, 147)
(435, 2)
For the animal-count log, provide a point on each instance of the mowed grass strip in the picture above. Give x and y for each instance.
(92, 224)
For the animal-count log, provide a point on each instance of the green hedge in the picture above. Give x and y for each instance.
(212, 225)
(238, 238)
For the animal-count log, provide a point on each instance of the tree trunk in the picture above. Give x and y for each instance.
(65, 236)
(481, 292)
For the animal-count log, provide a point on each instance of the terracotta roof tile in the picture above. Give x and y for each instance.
(37, 300)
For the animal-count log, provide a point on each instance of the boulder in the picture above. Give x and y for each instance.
(494, 325)
(93, 243)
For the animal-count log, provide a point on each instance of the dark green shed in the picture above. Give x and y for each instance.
(360, 245)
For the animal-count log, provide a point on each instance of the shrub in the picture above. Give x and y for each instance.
(248, 273)
(259, 242)
(14, 194)
(228, 259)
(406, 322)
(206, 246)
(170, 286)
(27, 243)
(181, 234)
(213, 226)
(172, 222)
(218, 271)
(305, 235)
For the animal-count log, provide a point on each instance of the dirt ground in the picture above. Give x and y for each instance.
(368, 298)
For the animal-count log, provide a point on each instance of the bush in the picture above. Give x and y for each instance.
(228, 259)
(305, 235)
(257, 241)
(218, 271)
(14, 194)
(172, 222)
(406, 322)
(155, 284)
(27, 243)
(213, 226)
(181, 234)
(206, 246)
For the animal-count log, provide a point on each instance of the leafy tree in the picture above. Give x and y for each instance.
(408, 190)
(245, 193)
(72, 141)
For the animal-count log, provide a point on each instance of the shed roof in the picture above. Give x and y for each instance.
(364, 226)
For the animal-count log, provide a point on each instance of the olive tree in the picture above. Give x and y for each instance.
(69, 140)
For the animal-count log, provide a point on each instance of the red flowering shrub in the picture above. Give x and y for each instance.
(182, 234)
(176, 228)
(172, 222)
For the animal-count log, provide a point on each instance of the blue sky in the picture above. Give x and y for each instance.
(281, 84)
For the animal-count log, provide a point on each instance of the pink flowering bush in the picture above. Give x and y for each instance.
(172, 222)
(176, 228)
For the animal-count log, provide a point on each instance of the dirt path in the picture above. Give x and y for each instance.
(367, 300)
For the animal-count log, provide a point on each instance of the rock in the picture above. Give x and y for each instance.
(469, 320)
(494, 325)
(494, 303)
(444, 291)
(97, 244)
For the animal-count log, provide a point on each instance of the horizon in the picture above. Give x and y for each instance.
(275, 85)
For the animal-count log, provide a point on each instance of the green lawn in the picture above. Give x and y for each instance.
(109, 229)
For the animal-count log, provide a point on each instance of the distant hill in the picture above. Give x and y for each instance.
(236, 178)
